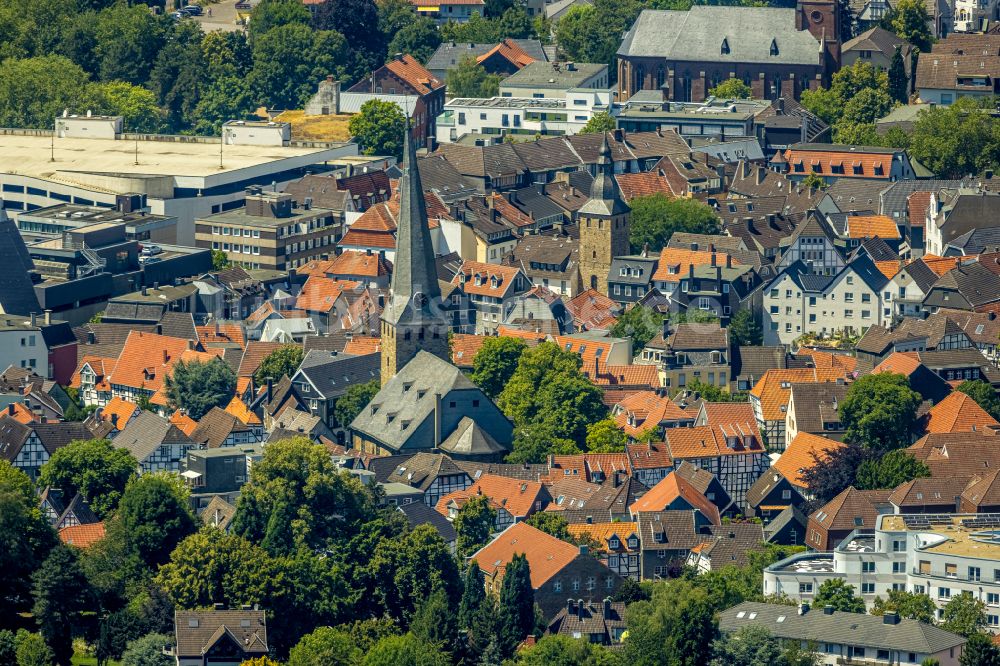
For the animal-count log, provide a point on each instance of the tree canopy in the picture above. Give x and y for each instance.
(94, 468)
(640, 323)
(379, 128)
(732, 89)
(197, 387)
(907, 604)
(474, 524)
(964, 615)
(284, 360)
(879, 410)
(495, 363)
(600, 122)
(355, 399)
(984, 395)
(656, 217)
(835, 592)
(889, 470)
(470, 79)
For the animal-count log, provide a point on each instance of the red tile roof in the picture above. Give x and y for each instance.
(675, 262)
(101, 367)
(647, 409)
(900, 363)
(409, 69)
(227, 334)
(21, 414)
(872, 226)
(958, 413)
(773, 389)
(849, 164)
(516, 496)
(184, 423)
(82, 536)
(464, 348)
(643, 184)
(653, 455)
(146, 359)
(917, 204)
(361, 345)
(803, 453)
(320, 294)
(121, 408)
(590, 309)
(507, 48)
(622, 375)
(672, 487)
(482, 279)
(359, 263)
(546, 554)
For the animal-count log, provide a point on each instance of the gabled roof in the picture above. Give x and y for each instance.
(331, 374)
(120, 409)
(877, 39)
(215, 426)
(661, 496)
(774, 388)
(931, 491)
(255, 354)
(146, 359)
(353, 263)
(422, 469)
(484, 279)
(146, 433)
(82, 536)
(804, 452)
(675, 263)
(668, 530)
(418, 513)
(196, 632)
(957, 413)
(958, 453)
(516, 496)
(320, 294)
(871, 226)
(219, 513)
(221, 333)
(469, 439)
(408, 69)
(851, 509)
(546, 554)
(602, 532)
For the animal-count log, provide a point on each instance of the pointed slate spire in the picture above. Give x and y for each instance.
(414, 295)
(605, 197)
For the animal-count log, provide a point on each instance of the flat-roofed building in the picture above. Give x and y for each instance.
(139, 225)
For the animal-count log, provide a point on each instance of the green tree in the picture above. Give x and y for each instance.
(912, 23)
(220, 260)
(516, 605)
(353, 401)
(33, 91)
(824, 103)
(956, 140)
(979, 651)
(600, 122)
(890, 470)
(655, 218)
(640, 323)
(752, 645)
(136, 105)
(420, 38)
(675, 627)
(288, 61)
(325, 646)
(515, 24)
(271, 14)
(907, 604)
(154, 516)
(476, 618)
(393, 16)
(469, 79)
(26, 537)
(964, 615)
(878, 410)
(94, 468)
(31, 650)
(357, 21)
(744, 329)
(605, 437)
(61, 594)
(379, 128)
(477, 30)
(198, 387)
(497, 8)
(732, 89)
(435, 623)
(406, 650)
(899, 84)
(226, 98)
(867, 106)
(550, 522)
(814, 181)
(562, 650)
(835, 592)
(495, 363)
(296, 489)
(128, 40)
(8, 647)
(548, 397)
(474, 524)
(284, 360)
(861, 134)
(148, 651)
(984, 395)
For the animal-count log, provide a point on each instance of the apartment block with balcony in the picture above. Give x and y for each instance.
(940, 555)
(272, 232)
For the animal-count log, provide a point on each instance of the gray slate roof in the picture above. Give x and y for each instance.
(146, 432)
(469, 439)
(418, 513)
(845, 628)
(332, 374)
(17, 295)
(197, 631)
(697, 35)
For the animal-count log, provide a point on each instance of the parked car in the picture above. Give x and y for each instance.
(194, 10)
(148, 259)
(151, 250)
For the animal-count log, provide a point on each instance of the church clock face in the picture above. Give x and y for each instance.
(419, 300)
(817, 17)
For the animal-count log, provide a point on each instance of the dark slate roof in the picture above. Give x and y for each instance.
(418, 513)
(522, 472)
(331, 374)
(534, 203)
(732, 543)
(146, 432)
(421, 469)
(877, 249)
(135, 312)
(857, 629)
(79, 508)
(894, 198)
(869, 273)
(17, 295)
(750, 361)
(440, 176)
(922, 274)
(448, 55)
(978, 284)
(178, 325)
(57, 435)
(13, 435)
(469, 439)
(976, 241)
(592, 618)
(762, 486)
(855, 194)
(678, 528)
(699, 337)
(700, 478)
(334, 341)
(219, 513)
(791, 514)
(814, 399)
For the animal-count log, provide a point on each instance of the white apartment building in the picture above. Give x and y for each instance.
(797, 302)
(940, 555)
(497, 117)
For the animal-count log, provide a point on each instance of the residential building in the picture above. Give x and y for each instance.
(666, 538)
(952, 213)
(959, 66)
(804, 452)
(156, 443)
(323, 377)
(29, 446)
(725, 441)
(404, 75)
(219, 472)
(618, 545)
(695, 353)
(272, 232)
(728, 546)
(877, 46)
(601, 623)
(514, 500)
(777, 52)
(433, 474)
(504, 58)
(218, 427)
(838, 637)
(554, 80)
(458, 11)
(492, 290)
(770, 395)
(833, 162)
(814, 409)
(631, 277)
(971, 287)
(557, 568)
(835, 521)
(675, 493)
(218, 636)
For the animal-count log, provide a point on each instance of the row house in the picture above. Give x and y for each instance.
(515, 499)
(156, 443)
(797, 302)
(492, 290)
(739, 458)
(616, 545)
(434, 474)
(28, 446)
(770, 396)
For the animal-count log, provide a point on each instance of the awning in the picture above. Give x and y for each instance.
(429, 8)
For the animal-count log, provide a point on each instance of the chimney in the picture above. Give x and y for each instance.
(607, 607)
(760, 175)
(270, 389)
(437, 419)
(713, 259)
(570, 607)
(166, 357)
(10, 409)
(803, 609)
(34, 319)
(828, 610)
(579, 607)
(114, 421)
(890, 618)
(144, 290)
(583, 550)
(48, 317)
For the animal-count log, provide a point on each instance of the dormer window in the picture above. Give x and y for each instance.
(633, 543)
(774, 47)
(614, 543)
(725, 46)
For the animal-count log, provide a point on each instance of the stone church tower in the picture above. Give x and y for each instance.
(604, 225)
(412, 319)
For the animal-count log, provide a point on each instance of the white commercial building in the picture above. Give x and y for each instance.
(496, 117)
(940, 555)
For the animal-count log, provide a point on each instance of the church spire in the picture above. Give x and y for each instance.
(605, 197)
(415, 296)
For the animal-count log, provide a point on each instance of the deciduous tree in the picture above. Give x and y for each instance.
(406, 650)
(562, 650)
(835, 592)
(964, 615)
(474, 524)
(908, 604)
(550, 522)
(639, 323)
(979, 651)
(984, 395)
(154, 516)
(655, 218)
(284, 360)
(600, 122)
(878, 410)
(732, 89)
(912, 22)
(379, 128)
(325, 645)
(890, 470)
(420, 38)
(197, 387)
(61, 594)
(674, 628)
(605, 436)
(470, 79)
(94, 468)
(495, 363)
(744, 329)
(752, 645)
(148, 651)
(353, 401)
